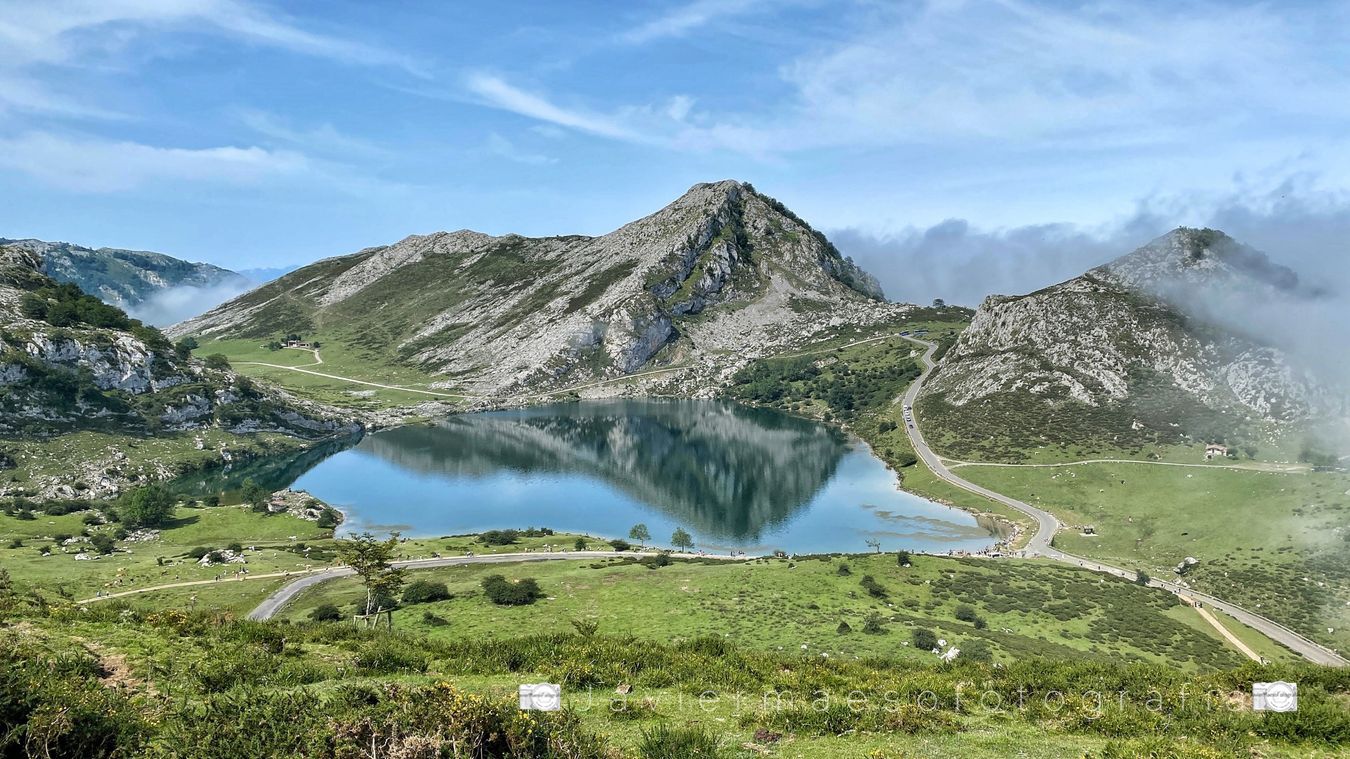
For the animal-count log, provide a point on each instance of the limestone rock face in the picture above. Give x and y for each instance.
(722, 274)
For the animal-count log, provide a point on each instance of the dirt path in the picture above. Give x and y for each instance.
(318, 359)
(195, 583)
(1228, 634)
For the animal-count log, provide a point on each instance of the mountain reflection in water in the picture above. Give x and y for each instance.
(737, 478)
(724, 470)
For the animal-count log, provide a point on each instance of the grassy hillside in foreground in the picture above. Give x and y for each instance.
(1275, 543)
(822, 605)
(1023, 609)
(114, 681)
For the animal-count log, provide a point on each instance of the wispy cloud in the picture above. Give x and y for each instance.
(689, 17)
(70, 34)
(1100, 76)
(498, 93)
(88, 164)
(322, 138)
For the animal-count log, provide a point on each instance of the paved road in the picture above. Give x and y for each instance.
(273, 603)
(1047, 525)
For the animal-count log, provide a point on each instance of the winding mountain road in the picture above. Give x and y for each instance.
(1047, 525)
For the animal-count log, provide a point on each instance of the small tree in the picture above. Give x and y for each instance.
(1141, 577)
(373, 562)
(217, 361)
(185, 347)
(640, 533)
(580, 544)
(102, 543)
(902, 558)
(150, 506)
(681, 539)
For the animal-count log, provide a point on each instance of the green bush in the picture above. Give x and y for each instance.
(102, 543)
(425, 591)
(924, 639)
(503, 592)
(325, 613)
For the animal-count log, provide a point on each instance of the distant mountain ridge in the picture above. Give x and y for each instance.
(1132, 351)
(124, 278)
(720, 274)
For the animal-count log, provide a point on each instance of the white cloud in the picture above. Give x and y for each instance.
(503, 148)
(175, 304)
(97, 165)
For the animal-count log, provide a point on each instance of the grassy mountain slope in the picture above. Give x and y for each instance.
(720, 274)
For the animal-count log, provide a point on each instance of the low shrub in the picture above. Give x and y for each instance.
(873, 624)
(325, 613)
(873, 588)
(924, 639)
(388, 656)
(667, 742)
(425, 591)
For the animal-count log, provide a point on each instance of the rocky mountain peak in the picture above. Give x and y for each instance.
(1188, 258)
(723, 270)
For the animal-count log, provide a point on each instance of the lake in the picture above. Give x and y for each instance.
(735, 477)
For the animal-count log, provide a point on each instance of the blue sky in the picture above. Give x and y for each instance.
(954, 146)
